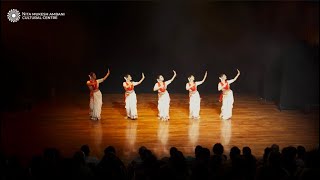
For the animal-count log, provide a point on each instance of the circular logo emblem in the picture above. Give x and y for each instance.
(13, 15)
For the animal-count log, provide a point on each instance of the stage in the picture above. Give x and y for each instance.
(64, 123)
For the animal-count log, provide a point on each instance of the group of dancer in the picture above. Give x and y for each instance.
(130, 98)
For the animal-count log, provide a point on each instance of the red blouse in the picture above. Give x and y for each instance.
(130, 88)
(162, 89)
(193, 88)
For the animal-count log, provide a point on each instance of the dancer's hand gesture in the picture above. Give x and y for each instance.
(105, 77)
(204, 78)
(141, 79)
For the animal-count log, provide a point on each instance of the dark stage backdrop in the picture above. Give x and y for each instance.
(274, 44)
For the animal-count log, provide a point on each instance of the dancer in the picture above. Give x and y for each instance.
(95, 95)
(194, 97)
(226, 96)
(131, 97)
(163, 97)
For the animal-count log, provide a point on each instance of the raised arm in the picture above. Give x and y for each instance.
(235, 78)
(170, 80)
(174, 76)
(105, 77)
(140, 80)
(204, 78)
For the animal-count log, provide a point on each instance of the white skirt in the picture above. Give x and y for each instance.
(131, 105)
(163, 106)
(227, 105)
(95, 105)
(194, 105)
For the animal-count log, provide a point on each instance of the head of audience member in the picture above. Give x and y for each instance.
(217, 149)
(85, 149)
(142, 152)
(197, 151)
(246, 151)
(275, 148)
(234, 152)
(173, 152)
(109, 150)
(301, 152)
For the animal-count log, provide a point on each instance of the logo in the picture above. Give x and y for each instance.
(13, 15)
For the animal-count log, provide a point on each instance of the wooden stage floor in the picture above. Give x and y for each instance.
(64, 124)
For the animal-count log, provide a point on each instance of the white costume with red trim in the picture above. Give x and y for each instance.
(130, 100)
(95, 99)
(163, 101)
(194, 100)
(227, 100)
